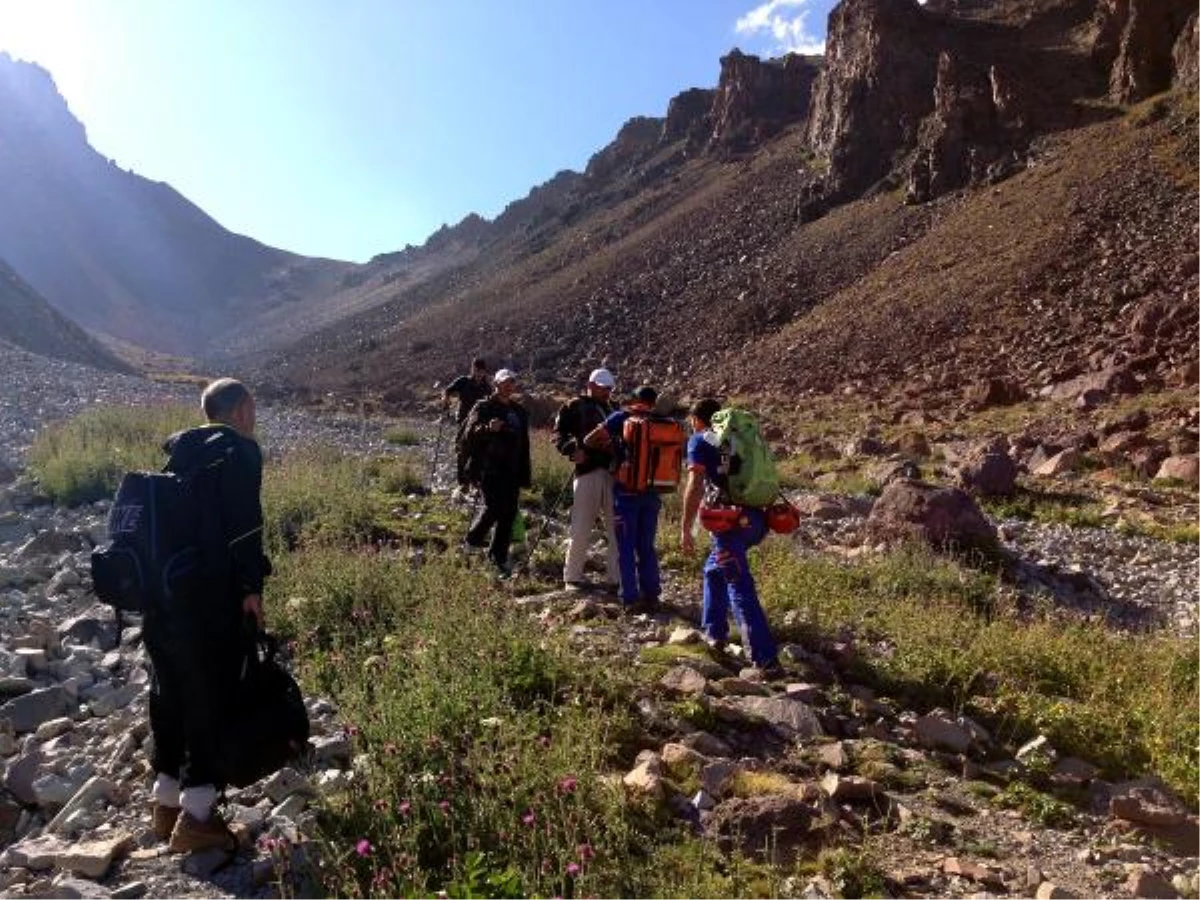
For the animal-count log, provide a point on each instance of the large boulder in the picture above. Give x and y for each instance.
(1180, 468)
(989, 472)
(945, 518)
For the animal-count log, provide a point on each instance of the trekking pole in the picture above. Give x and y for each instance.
(437, 449)
(546, 519)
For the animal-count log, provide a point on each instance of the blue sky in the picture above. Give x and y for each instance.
(347, 128)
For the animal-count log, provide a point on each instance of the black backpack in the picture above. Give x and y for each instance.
(153, 555)
(266, 725)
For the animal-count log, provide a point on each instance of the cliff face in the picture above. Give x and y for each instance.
(950, 94)
(755, 100)
(1135, 42)
(876, 86)
(689, 118)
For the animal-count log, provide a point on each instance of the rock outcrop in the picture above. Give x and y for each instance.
(757, 99)
(689, 118)
(876, 87)
(636, 140)
(1135, 41)
(979, 117)
(1185, 54)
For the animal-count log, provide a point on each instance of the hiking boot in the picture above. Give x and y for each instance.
(642, 606)
(191, 835)
(162, 819)
(772, 671)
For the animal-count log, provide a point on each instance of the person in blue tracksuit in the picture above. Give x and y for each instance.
(635, 516)
(728, 582)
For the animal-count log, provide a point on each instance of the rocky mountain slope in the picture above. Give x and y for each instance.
(120, 254)
(28, 321)
(975, 167)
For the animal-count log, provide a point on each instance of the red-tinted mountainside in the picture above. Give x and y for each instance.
(960, 190)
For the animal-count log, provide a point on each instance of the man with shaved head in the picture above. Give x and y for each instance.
(195, 643)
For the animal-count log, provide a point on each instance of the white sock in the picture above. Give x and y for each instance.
(198, 801)
(166, 790)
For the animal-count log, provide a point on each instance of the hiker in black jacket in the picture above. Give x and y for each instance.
(195, 646)
(497, 438)
(593, 483)
(469, 389)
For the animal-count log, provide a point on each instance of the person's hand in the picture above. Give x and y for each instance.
(252, 606)
(686, 541)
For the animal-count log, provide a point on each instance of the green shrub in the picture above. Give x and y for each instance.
(402, 437)
(552, 473)
(82, 459)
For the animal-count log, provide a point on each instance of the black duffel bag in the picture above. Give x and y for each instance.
(267, 724)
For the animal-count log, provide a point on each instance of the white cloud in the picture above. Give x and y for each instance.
(783, 22)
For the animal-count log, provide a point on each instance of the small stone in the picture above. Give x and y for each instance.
(684, 680)
(284, 783)
(833, 755)
(52, 729)
(204, 863)
(849, 787)
(131, 890)
(1144, 883)
(1048, 890)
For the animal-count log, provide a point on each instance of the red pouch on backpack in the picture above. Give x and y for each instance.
(719, 519)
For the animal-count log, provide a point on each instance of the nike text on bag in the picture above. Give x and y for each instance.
(267, 725)
(746, 460)
(653, 454)
(152, 555)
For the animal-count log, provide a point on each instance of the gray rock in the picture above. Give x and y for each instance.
(684, 680)
(69, 886)
(96, 627)
(21, 775)
(29, 711)
(791, 718)
(940, 733)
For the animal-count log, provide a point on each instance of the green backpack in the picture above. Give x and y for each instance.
(751, 476)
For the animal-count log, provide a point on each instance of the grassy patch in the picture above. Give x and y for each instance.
(81, 460)
(552, 474)
(1047, 506)
(402, 437)
(931, 632)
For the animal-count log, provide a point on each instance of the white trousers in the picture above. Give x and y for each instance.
(593, 498)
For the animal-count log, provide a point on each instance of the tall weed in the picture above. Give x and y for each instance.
(82, 459)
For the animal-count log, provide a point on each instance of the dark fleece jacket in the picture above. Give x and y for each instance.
(228, 466)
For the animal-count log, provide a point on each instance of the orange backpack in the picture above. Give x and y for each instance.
(653, 459)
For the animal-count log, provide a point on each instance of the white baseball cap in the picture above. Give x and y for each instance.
(602, 378)
(504, 375)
